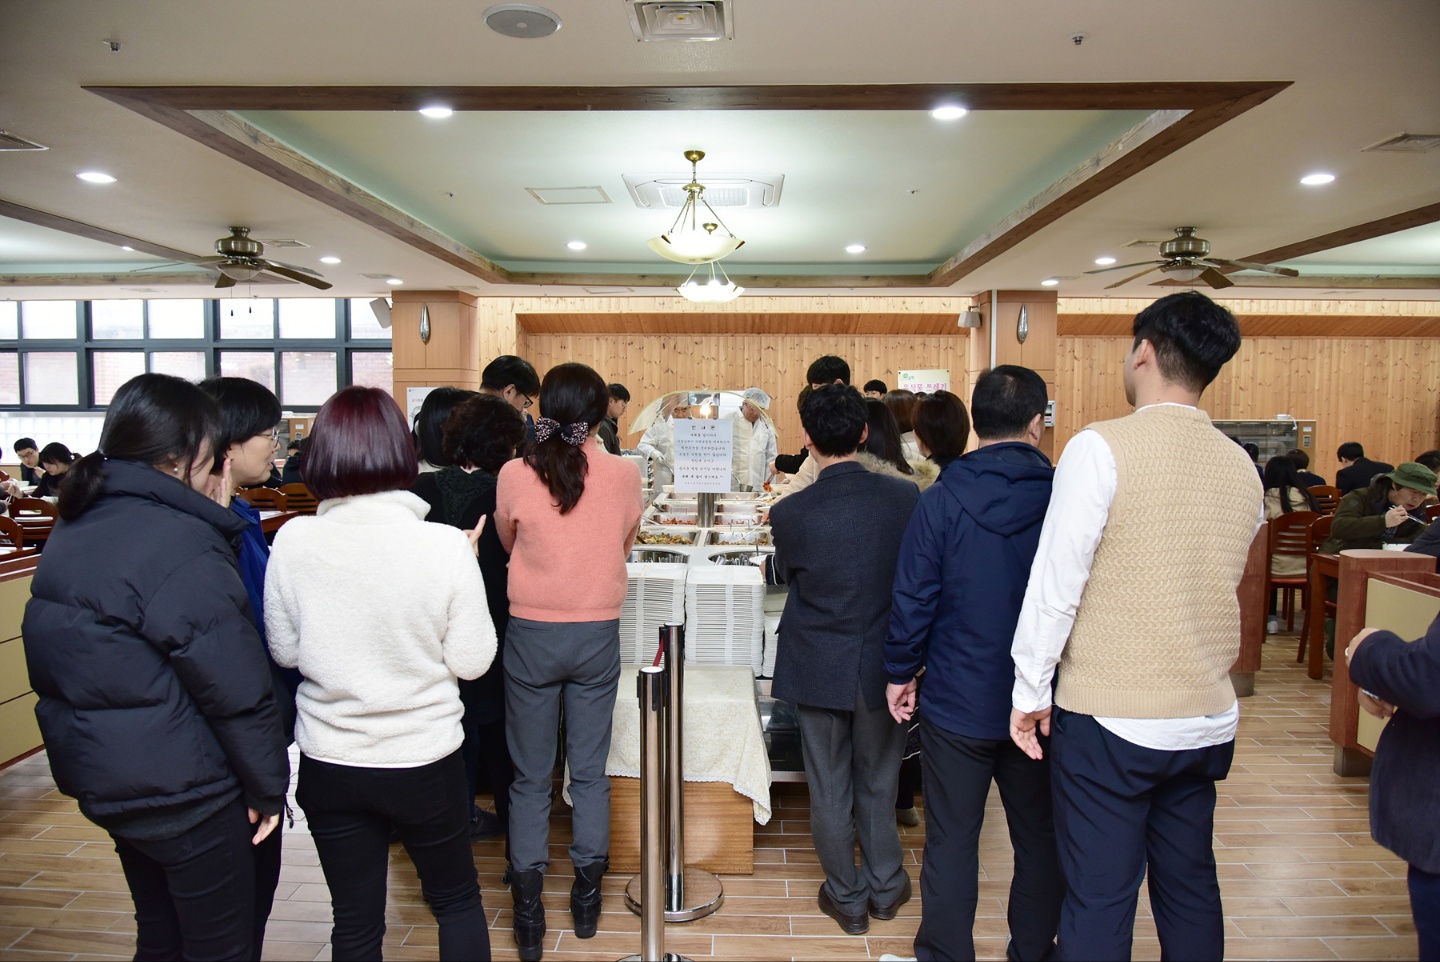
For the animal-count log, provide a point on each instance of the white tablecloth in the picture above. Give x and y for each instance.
(721, 731)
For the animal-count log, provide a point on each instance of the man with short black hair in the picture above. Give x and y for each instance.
(29, 454)
(875, 388)
(1302, 464)
(958, 588)
(514, 379)
(836, 546)
(1356, 470)
(826, 369)
(609, 432)
(1135, 603)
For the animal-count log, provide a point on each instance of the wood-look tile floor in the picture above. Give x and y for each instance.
(1300, 876)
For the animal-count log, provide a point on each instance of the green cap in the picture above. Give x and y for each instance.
(1413, 475)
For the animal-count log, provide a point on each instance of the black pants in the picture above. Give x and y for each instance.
(1119, 809)
(195, 894)
(958, 771)
(1425, 907)
(350, 811)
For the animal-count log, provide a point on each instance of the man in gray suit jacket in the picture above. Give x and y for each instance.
(836, 545)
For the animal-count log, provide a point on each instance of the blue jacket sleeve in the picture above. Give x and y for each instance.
(1405, 675)
(916, 593)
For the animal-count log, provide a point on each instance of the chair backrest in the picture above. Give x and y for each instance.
(1320, 530)
(1290, 534)
(267, 498)
(1432, 511)
(35, 516)
(298, 498)
(1327, 497)
(11, 532)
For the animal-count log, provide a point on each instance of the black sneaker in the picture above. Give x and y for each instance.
(483, 825)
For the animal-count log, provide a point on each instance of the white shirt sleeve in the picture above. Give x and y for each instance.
(1085, 482)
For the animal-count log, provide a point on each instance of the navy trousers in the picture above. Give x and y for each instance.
(1120, 809)
(1425, 905)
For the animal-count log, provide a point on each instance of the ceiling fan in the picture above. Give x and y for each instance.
(238, 258)
(1186, 257)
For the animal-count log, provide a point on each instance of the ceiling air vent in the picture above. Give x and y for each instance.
(654, 20)
(752, 191)
(9, 141)
(569, 195)
(282, 242)
(378, 277)
(1407, 143)
(1144, 243)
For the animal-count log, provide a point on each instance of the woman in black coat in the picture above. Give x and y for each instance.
(1402, 682)
(480, 434)
(155, 696)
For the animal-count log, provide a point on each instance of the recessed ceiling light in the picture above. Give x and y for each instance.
(394, 281)
(949, 112)
(329, 259)
(95, 177)
(124, 248)
(1104, 261)
(577, 245)
(1315, 180)
(1050, 282)
(855, 248)
(437, 111)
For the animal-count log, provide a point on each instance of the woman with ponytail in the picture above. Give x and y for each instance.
(568, 514)
(155, 697)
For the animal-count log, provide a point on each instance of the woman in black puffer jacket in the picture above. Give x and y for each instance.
(156, 702)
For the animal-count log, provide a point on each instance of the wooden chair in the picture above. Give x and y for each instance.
(265, 498)
(11, 533)
(298, 498)
(1290, 537)
(35, 516)
(1319, 534)
(1432, 511)
(1327, 497)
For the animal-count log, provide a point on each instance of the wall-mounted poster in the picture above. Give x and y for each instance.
(414, 397)
(925, 382)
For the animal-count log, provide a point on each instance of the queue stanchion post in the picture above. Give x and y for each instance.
(690, 894)
(650, 684)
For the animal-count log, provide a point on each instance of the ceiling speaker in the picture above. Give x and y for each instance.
(381, 309)
(522, 20)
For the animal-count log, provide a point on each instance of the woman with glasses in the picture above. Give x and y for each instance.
(568, 514)
(246, 446)
(156, 702)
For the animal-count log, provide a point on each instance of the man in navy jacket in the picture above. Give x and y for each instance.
(958, 590)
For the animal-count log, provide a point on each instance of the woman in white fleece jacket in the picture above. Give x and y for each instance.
(381, 612)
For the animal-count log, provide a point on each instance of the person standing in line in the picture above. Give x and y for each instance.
(155, 700)
(429, 426)
(1144, 715)
(568, 513)
(826, 369)
(902, 404)
(836, 545)
(249, 413)
(875, 388)
(514, 379)
(942, 428)
(1401, 681)
(380, 647)
(958, 590)
(610, 427)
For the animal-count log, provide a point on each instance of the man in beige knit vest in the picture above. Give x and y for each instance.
(1134, 601)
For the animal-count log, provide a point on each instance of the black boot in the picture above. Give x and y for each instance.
(585, 897)
(529, 913)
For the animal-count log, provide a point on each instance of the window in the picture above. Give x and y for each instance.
(248, 319)
(307, 377)
(9, 377)
(48, 320)
(9, 320)
(170, 320)
(373, 369)
(117, 320)
(312, 318)
(256, 365)
(110, 369)
(187, 364)
(363, 323)
(51, 378)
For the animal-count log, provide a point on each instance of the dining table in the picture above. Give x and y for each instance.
(270, 521)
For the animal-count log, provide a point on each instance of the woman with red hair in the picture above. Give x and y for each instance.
(380, 639)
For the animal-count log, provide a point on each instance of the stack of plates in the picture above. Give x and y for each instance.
(774, 606)
(725, 616)
(654, 598)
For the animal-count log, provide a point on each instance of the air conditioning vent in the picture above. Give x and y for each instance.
(9, 141)
(551, 196)
(282, 242)
(378, 277)
(655, 20)
(1145, 243)
(733, 191)
(1407, 143)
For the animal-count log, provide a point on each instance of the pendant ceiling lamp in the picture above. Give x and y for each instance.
(697, 236)
(717, 288)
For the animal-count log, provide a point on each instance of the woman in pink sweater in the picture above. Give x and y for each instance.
(568, 514)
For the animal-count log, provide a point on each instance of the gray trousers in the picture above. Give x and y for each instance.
(852, 764)
(548, 664)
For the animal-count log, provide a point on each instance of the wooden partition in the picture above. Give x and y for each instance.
(19, 731)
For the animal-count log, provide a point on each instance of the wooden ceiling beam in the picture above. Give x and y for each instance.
(42, 218)
(131, 281)
(1418, 217)
(1322, 282)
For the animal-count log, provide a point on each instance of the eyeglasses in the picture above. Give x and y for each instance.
(528, 402)
(274, 436)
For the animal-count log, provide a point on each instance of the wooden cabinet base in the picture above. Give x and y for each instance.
(719, 828)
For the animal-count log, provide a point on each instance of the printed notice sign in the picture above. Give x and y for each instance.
(703, 451)
(925, 382)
